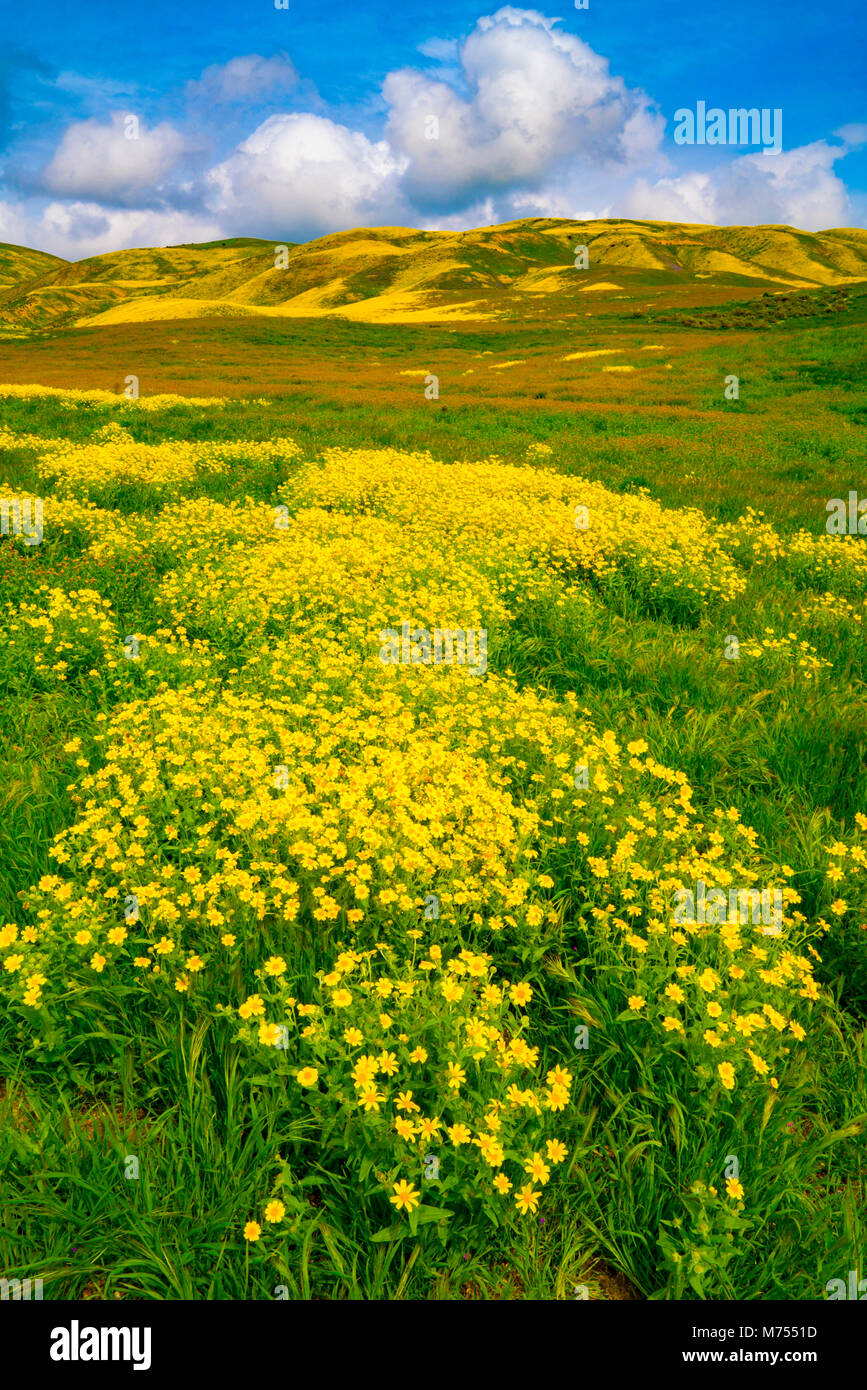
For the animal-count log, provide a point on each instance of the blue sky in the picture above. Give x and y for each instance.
(122, 126)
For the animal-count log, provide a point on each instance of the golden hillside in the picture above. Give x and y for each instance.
(523, 269)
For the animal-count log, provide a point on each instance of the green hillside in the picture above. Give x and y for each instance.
(517, 271)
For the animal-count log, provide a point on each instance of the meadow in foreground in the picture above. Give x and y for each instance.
(324, 975)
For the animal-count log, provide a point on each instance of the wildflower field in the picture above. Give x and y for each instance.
(327, 975)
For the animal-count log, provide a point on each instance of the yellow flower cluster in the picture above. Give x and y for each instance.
(574, 527)
(832, 611)
(795, 651)
(334, 579)
(424, 1054)
(272, 774)
(113, 460)
(57, 635)
(837, 563)
(368, 810)
(90, 399)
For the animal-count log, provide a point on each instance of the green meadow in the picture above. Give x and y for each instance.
(104, 1069)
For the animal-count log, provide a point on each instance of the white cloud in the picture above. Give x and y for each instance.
(245, 79)
(442, 50)
(558, 203)
(538, 99)
(77, 230)
(302, 175)
(796, 187)
(854, 135)
(118, 162)
(14, 226)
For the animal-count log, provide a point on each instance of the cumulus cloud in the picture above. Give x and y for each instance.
(14, 226)
(853, 135)
(79, 229)
(119, 162)
(536, 100)
(245, 79)
(796, 187)
(303, 175)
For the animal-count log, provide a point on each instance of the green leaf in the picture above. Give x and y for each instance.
(423, 1215)
(399, 1232)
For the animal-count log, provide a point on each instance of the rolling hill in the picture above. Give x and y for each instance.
(517, 271)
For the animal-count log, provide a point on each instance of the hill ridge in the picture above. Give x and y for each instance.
(512, 270)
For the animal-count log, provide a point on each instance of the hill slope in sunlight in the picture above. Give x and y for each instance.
(519, 270)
